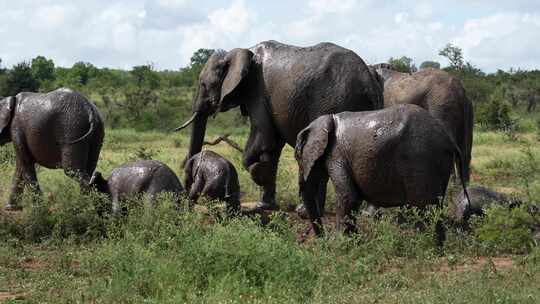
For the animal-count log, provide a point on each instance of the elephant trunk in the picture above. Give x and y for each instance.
(198, 129)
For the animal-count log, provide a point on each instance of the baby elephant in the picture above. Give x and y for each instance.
(208, 173)
(391, 157)
(136, 178)
(480, 199)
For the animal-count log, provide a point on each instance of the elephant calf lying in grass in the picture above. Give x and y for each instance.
(388, 157)
(211, 175)
(143, 177)
(480, 198)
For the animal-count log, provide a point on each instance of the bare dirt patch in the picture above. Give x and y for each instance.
(494, 263)
(7, 295)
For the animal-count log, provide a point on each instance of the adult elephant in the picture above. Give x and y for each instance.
(441, 94)
(281, 88)
(59, 129)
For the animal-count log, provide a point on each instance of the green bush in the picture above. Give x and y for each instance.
(496, 114)
(7, 155)
(505, 231)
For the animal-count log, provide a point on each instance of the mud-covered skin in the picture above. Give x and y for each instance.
(209, 174)
(441, 94)
(59, 129)
(143, 177)
(389, 158)
(480, 199)
(281, 88)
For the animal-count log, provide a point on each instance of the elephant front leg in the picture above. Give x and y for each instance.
(25, 175)
(264, 173)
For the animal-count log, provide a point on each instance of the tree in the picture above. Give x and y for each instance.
(43, 68)
(454, 55)
(200, 57)
(403, 64)
(43, 72)
(2, 70)
(145, 76)
(20, 79)
(430, 64)
(82, 72)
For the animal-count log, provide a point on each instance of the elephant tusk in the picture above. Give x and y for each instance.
(187, 123)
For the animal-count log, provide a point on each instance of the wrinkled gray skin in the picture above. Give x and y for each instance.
(387, 157)
(143, 177)
(209, 174)
(281, 88)
(60, 129)
(480, 199)
(441, 94)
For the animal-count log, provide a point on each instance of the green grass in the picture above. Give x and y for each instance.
(60, 251)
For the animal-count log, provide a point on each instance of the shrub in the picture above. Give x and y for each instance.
(505, 231)
(7, 155)
(496, 114)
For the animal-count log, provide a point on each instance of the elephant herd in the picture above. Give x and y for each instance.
(380, 136)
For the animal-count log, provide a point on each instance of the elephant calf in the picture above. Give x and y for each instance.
(391, 157)
(209, 174)
(59, 129)
(480, 199)
(137, 178)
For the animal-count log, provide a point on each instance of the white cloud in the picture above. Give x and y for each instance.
(503, 40)
(124, 33)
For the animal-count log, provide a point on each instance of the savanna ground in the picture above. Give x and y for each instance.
(60, 251)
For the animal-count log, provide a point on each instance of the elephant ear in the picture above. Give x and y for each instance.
(6, 112)
(238, 63)
(311, 144)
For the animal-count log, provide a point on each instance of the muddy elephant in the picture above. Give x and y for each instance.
(281, 88)
(59, 129)
(480, 198)
(440, 93)
(391, 157)
(138, 178)
(211, 175)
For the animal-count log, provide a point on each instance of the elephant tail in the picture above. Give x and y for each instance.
(467, 138)
(91, 129)
(461, 171)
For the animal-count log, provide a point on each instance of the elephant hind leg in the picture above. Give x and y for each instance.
(75, 164)
(349, 198)
(25, 174)
(311, 196)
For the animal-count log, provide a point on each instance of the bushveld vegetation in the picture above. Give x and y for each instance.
(58, 250)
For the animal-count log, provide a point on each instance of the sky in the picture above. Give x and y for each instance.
(494, 34)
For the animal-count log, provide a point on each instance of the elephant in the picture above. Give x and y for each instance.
(59, 129)
(281, 88)
(440, 93)
(210, 174)
(391, 157)
(480, 199)
(135, 178)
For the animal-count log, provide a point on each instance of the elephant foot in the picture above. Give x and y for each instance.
(13, 207)
(302, 212)
(263, 206)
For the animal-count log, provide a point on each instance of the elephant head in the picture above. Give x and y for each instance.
(99, 183)
(220, 89)
(7, 106)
